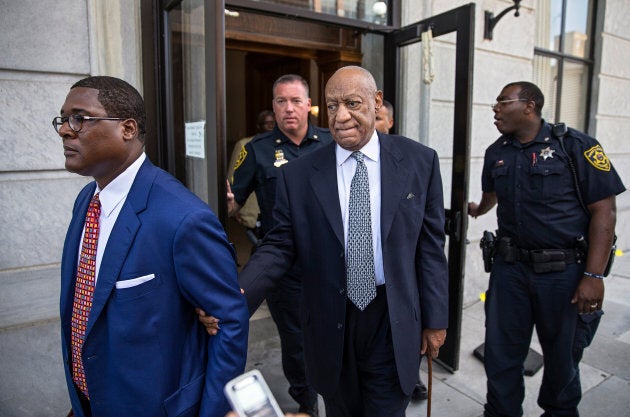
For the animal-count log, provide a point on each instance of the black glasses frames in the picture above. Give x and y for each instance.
(75, 121)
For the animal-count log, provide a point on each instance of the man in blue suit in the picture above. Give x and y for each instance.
(362, 359)
(131, 343)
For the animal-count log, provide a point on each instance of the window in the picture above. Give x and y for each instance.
(563, 59)
(372, 11)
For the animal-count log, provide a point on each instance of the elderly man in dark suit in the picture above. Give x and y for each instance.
(364, 219)
(141, 252)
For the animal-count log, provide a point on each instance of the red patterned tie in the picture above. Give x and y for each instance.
(84, 291)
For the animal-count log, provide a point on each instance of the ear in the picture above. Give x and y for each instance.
(530, 107)
(378, 98)
(130, 129)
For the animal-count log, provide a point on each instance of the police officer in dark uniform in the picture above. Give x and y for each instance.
(551, 253)
(255, 171)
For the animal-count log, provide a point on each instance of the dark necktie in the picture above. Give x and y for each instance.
(84, 291)
(361, 281)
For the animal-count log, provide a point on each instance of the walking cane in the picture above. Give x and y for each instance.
(430, 386)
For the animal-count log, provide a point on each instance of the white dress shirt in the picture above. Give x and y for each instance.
(112, 198)
(346, 165)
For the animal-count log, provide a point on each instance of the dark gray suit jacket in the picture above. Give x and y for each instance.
(309, 231)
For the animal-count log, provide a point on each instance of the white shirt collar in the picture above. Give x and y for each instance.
(371, 149)
(116, 191)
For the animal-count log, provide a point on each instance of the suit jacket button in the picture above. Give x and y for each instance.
(339, 326)
(342, 291)
(341, 254)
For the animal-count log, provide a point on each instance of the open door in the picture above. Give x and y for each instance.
(461, 22)
(184, 73)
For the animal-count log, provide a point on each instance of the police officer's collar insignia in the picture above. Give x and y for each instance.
(278, 140)
(546, 139)
(546, 153)
(597, 158)
(311, 134)
(280, 160)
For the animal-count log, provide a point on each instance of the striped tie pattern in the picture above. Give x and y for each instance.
(360, 276)
(84, 291)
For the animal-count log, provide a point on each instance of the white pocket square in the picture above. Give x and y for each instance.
(128, 283)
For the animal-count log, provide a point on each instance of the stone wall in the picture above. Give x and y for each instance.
(45, 47)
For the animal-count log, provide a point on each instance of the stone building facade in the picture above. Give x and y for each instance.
(46, 46)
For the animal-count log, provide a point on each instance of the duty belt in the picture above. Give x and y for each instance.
(512, 253)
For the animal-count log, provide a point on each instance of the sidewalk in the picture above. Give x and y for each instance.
(604, 370)
(32, 381)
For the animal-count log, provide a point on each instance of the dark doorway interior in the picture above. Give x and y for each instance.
(249, 79)
(261, 72)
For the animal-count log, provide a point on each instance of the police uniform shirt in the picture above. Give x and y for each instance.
(257, 167)
(537, 203)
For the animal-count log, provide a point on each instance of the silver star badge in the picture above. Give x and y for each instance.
(546, 153)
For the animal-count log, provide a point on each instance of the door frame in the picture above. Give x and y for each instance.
(157, 94)
(461, 21)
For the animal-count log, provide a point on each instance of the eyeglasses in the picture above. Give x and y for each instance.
(75, 121)
(500, 103)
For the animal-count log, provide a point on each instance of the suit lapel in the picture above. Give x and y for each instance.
(394, 177)
(121, 239)
(323, 179)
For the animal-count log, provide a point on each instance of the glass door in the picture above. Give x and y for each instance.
(194, 97)
(186, 109)
(451, 121)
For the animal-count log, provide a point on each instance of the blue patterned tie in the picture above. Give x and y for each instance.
(360, 277)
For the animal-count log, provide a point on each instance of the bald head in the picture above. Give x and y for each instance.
(352, 101)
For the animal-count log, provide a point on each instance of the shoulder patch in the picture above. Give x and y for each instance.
(241, 157)
(597, 158)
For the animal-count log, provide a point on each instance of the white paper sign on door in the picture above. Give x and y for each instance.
(195, 139)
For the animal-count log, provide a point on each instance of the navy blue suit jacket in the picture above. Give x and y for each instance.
(309, 231)
(145, 353)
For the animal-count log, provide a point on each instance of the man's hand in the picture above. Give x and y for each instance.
(488, 200)
(210, 323)
(432, 340)
(473, 209)
(232, 205)
(589, 295)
